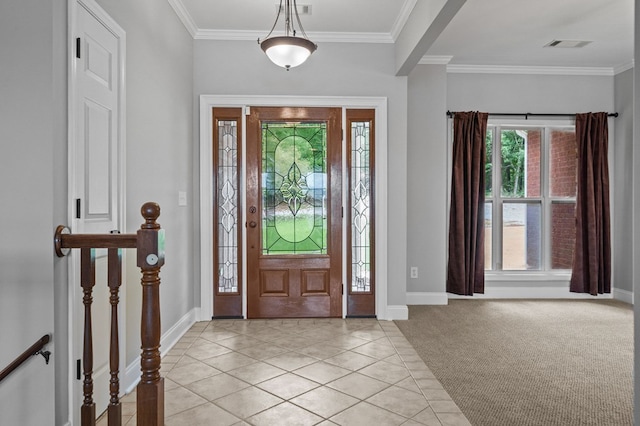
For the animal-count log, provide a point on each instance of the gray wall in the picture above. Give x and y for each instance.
(159, 114)
(529, 93)
(336, 69)
(32, 166)
(622, 193)
(427, 177)
(635, 178)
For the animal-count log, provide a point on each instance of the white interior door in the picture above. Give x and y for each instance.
(96, 178)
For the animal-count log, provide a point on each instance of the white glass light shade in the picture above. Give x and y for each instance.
(287, 51)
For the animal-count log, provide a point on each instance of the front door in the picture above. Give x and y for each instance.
(294, 212)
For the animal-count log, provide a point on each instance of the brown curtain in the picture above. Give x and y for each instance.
(591, 271)
(465, 271)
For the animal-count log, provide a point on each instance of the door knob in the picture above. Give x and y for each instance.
(252, 224)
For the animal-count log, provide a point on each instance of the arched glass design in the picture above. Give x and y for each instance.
(294, 188)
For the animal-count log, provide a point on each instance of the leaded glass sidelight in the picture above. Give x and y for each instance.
(294, 188)
(227, 208)
(360, 187)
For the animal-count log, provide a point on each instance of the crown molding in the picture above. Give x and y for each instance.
(435, 60)
(230, 35)
(403, 16)
(624, 67)
(184, 16)
(343, 37)
(327, 37)
(510, 69)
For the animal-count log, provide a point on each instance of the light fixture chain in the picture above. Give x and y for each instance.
(295, 7)
(274, 24)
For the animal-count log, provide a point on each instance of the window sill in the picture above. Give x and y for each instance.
(528, 285)
(527, 276)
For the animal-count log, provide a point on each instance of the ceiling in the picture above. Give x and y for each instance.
(490, 33)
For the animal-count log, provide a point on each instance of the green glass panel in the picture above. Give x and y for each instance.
(294, 188)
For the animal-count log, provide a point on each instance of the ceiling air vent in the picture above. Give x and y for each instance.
(303, 9)
(567, 43)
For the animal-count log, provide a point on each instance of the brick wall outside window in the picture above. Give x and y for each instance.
(562, 183)
(563, 166)
(534, 140)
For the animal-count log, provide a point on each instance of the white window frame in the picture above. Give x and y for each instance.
(545, 200)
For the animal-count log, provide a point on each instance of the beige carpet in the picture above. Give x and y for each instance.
(533, 362)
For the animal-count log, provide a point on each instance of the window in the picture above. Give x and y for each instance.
(227, 236)
(530, 197)
(361, 214)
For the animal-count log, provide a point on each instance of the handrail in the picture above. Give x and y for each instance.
(149, 245)
(64, 240)
(35, 349)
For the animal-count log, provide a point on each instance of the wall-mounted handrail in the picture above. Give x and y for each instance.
(35, 349)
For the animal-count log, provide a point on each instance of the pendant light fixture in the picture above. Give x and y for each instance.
(289, 50)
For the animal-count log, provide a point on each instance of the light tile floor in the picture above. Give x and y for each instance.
(298, 372)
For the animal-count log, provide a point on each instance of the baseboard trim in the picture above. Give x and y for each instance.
(427, 298)
(397, 312)
(198, 314)
(167, 341)
(623, 295)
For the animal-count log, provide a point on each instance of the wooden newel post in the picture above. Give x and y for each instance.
(150, 390)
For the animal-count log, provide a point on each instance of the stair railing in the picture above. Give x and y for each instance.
(35, 349)
(149, 243)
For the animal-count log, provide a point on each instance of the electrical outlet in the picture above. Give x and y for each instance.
(414, 272)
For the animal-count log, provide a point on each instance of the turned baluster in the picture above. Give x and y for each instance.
(114, 279)
(150, 257)
(87, 281)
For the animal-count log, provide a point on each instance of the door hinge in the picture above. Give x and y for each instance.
(77, 208)
(342, 288)
(342, 211)
(78, 47)
(78, 370)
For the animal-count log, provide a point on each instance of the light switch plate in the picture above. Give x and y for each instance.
(182, 198)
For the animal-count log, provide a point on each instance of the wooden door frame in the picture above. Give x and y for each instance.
(207, 103)
(76, 315)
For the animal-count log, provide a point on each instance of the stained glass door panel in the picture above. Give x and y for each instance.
(361, 238)
(294, 212)
(227, 300)
(294, 188)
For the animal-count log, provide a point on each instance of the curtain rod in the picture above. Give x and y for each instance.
(529, 114)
